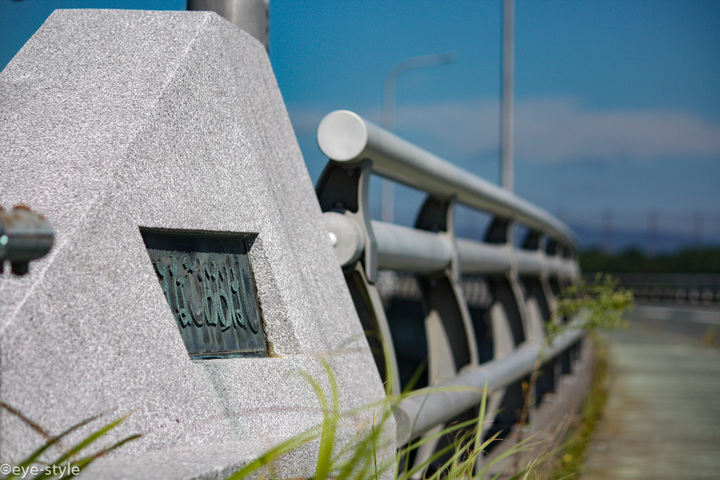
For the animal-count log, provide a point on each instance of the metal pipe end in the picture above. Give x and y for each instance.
(342, 135)
(346, 237)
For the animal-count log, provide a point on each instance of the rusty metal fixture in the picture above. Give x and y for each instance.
(24, 236)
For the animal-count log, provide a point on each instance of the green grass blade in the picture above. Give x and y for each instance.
(89, 440)
(329, 424)
(275, 453)
(85, 461)
(35, 455)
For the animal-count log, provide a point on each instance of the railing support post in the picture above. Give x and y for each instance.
(344, 190)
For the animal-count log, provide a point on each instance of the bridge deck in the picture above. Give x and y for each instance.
(662, 418)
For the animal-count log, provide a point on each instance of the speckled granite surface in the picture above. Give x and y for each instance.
(115, 120)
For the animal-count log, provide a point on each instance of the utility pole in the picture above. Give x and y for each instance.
(698, 223)
(652, 232)
(506, 115)
(607, 229)
(252, 16)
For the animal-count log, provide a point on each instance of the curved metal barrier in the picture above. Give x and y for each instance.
(522, 280)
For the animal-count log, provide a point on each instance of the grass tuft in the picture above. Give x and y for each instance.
(570, 460)
(75, 456)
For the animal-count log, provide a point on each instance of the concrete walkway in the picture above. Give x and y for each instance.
(662, 418)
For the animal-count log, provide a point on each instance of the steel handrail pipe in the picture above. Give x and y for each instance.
(344, 136)
(419, 251)
(411, 250)
(563, 267)
(482, 258)
(398, 248)
(477, 258)
(432, 406)
(531, 262)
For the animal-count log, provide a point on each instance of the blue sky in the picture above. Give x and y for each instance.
(617, 102)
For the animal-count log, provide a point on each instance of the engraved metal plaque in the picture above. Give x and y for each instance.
(209, 285)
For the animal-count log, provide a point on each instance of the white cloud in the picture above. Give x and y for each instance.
(560, 129)
(554, 130)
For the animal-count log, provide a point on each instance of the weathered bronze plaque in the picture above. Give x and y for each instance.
(209, 285)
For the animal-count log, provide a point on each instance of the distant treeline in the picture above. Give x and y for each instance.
(698, 260)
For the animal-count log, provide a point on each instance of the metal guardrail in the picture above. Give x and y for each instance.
(24, 236)
(672, 288)
(522, 280)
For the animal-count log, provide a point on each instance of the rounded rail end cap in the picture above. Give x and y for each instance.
(342, 135)
(346, 237)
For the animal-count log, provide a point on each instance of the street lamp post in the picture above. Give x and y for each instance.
(388, 112)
